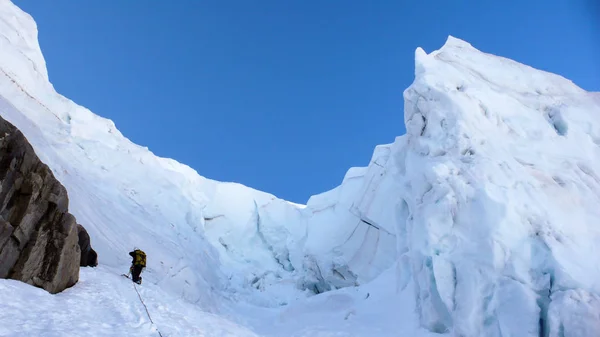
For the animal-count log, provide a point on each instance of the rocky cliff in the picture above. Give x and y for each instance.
(39, 238)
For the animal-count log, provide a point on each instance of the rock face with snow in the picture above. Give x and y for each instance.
(38, 237)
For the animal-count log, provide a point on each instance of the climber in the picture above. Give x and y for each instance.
(137, 265)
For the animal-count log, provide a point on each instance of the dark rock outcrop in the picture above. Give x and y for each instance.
(38, 237)
(89, 258)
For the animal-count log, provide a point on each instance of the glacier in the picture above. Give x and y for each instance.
(481, 220)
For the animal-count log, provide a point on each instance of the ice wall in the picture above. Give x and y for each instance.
(501, 191)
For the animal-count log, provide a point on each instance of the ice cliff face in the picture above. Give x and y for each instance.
(487, 208)
(498, 195)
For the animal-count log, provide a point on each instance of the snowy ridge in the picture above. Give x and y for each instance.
(480, 221)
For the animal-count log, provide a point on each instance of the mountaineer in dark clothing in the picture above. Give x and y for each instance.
(137, 265)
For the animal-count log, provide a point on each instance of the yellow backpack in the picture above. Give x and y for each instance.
(140, 258)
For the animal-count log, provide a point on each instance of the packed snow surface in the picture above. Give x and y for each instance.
(482, 220)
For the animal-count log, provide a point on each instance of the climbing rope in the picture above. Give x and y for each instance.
(145, 307)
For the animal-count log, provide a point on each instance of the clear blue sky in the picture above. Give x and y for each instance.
(284, 96)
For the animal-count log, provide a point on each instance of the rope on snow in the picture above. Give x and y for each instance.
(145, 307)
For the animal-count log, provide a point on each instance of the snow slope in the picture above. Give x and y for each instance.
(209, 243)
(125, 196)
(121, 192)
(105, 304)
(480, 221)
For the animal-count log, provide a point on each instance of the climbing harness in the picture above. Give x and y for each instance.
(145, 307)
